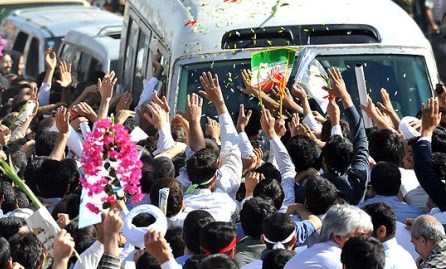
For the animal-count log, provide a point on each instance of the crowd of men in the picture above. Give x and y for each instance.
(257, 191)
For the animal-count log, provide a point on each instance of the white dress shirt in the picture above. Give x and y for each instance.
(397, 257)
(322, 255)
(91, 256)
(218, 204)
(403, 238)
(286, 168)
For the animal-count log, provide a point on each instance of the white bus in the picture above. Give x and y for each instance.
(196, 36)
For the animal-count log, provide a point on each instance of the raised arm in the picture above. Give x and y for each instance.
(63, 125)
(422, 155)
(106, 89)
(50, 63)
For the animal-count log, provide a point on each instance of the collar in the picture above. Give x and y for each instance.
(202, 192)
(391, 243)
(50, 202)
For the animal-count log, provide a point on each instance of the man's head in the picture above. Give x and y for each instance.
(426, 233)
(383, 219)
(218, 238)
(27, 250)
(385, 145)
(271, 188)
(217, 261)
(52, 179)
(320, 195)
(344, 221)
(10, 226)
(193, 224)
(175, 198)
(337, 155)
(45, 143)
(386, 179)
(202, 166)
(5, 254)
(9, 196)
(363, 252)
(303, 152)
(277, 258)
(254, 211)
(5, 64)
(154, 169)
(279, 231)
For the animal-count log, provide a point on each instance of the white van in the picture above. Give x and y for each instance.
(30, 31)
(8, 6)
(92, 48)
(220, 36)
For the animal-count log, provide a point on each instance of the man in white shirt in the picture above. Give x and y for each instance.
(340, 223)
(384, 228)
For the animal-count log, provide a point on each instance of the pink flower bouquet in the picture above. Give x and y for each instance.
(111, 165)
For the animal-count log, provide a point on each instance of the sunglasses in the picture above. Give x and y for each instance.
(439, 88)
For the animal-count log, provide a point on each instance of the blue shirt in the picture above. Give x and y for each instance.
(402, 210)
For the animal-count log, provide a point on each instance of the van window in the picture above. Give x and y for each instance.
(141, 60)
(20, 42)
(32, 62)
(404, 76)
(83, 67)
(132, 41)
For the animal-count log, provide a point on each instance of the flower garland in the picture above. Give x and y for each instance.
(111, 165)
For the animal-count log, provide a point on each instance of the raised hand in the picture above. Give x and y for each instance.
(251, 181)
(338, 87)
(243, 119)
(63, 120)
(125, 100)
(294, 124)
(162, 102)
(157, 246)
(156, 116)
(333, 112)
(299, 92)
(211, 86)
(267, 122)
(84, 109)
(63, 249)
(430, 118)
(213, 129)
(50, 59)
(194, 107)
(65, 75)
(246, 78)
(279, 127)
(123, 115)
(107, 84)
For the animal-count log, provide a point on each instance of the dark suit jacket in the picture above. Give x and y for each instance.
(424, 169)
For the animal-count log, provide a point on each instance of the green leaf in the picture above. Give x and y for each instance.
(284, 4)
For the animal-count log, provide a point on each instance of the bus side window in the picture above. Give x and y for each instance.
(131, 43)
(142, 53)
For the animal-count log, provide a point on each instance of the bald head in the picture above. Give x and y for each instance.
(426, 233)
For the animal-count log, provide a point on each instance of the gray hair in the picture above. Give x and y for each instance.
(342, 220)
(428, 227)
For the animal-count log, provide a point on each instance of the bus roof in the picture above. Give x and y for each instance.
(197, 27)
(58, 20)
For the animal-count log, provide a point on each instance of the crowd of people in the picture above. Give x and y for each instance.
(258, 191)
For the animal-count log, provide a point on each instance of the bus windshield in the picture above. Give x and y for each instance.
(404, 76)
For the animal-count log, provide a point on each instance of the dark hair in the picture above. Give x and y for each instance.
(175, 198)
(385, 145)
(268, 170)
(386, 179)
(202, 166)
(69, 205)
(21, 198)
(154, 169)
(10, 203)
(194, 262)
(303, 152)
(439, 139)
(178, 162)
(174, 238)
(143, 220)
(45, 143)
(277, 227)
(439, 164)
(10, 226)
(363, 252)
(147, 261)
(5, 254)
(320, 195)
(254, 211)
(193, 224)
(338, 154)
(277, 258)
(382, 215)
(217, 261)
(326, 130)
(271, 188)
(216, 236)
(52, 179)
(26, 249)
